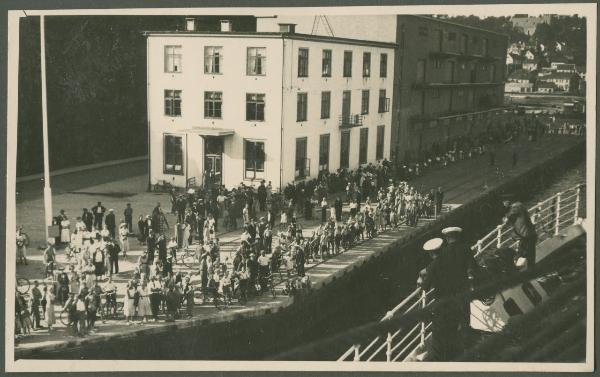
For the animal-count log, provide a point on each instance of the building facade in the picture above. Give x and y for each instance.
(449, 78)
(229, 107)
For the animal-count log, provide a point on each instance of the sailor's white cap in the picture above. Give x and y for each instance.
(433, 244)
(451, 229)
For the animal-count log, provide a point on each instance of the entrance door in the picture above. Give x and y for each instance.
(213, 160)
(214, 167)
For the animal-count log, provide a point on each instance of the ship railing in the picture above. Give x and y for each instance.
(550, 217)
(399, 344)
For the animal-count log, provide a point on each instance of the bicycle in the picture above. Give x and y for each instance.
(188, 258)
(110, 309)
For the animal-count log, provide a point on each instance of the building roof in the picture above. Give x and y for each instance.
(560, 76)
(519, 75)
(456, 24)
(295, 36)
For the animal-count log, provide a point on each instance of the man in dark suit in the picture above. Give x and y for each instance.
(88, 219)
(98, 210)
(439, 200)
(111, 222)
(262, 195)
(270, 217)
(151, 245)
(128, 213)
(338, 209)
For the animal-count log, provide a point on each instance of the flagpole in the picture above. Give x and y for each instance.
(47, 189)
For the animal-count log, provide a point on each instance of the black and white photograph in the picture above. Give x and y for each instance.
(335, 188)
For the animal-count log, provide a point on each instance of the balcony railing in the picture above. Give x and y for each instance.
(352, 120)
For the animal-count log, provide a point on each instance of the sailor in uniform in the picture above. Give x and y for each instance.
(442, 275)
(466, 265)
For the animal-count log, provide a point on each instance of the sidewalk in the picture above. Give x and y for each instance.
(461, 181)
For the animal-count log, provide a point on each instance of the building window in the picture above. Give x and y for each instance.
(173, 155)
(173, 59)
(384, 102)
(255, 106)
(366, 64)
(254, 159)
(173, 103)
(435, 93)
(380, 142)
(421, 71)
(437, 63)
(301, 160)
(303, 62)
(345, 150)
(256, 61)
(364, 108)
(325, 105)
(423, 31)
(347, 63)
(464, 44)
(326, 63)
(213, 104)
(363, 144)
(492, 73)
(213, 59)
(452, 36)
(346, 102)
(383, 65)
(324, 152)
(301, 107)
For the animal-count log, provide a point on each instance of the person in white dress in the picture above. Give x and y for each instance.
(144, 309)
(129, 304)
(186, 235)
(50, 301)
(65, 231)
(124, 238)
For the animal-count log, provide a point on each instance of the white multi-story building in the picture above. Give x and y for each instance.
(279, 105)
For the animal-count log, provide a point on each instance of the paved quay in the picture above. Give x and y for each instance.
(461, 181)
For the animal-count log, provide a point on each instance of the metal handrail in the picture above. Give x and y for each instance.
(562, 208)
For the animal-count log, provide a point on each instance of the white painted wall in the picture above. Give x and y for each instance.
(234, 83)
(280, 84)
(314, 84)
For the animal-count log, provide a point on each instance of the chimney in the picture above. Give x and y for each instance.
(190, 24)
(287, 28)
(226, 25)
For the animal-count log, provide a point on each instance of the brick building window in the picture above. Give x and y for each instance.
(303, 62)
(255, 106)
(173, 103)
(254, 159)
(256, 62)
(173, 155)
(173, 59)
(347, 63)
(213, 104)
(366, 64)
(325, 105)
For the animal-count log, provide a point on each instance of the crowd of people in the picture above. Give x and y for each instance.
(378, 195)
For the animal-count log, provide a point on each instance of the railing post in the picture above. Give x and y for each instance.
(576, 216)
(423, 304)
(479, 247)
(357, 352)
(557, 219)
(388, 352)
(498, 236)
